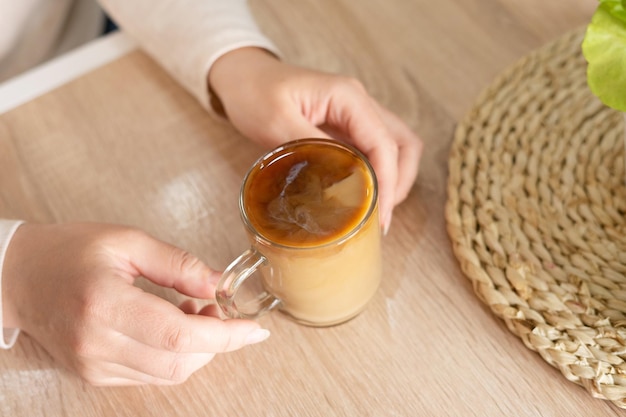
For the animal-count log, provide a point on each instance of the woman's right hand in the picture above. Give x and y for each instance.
(272, 102)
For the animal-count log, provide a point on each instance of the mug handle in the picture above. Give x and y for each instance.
(232, 279)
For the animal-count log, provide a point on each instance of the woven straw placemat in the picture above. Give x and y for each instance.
(536, 214)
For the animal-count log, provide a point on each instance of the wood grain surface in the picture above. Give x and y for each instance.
(125, 144)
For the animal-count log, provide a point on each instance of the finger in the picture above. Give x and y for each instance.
(114, 374)
(188, 307)
(383, 159)
(102, 371)
(130, 377)
(211, 310)
(117, 382)
(137, 361)
(155, 322)
(172, 267)
(191, 307)
(408, 168)
(409, 153)
(353, 112)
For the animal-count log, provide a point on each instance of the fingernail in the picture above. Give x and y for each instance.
(387, 225)
(257, 336)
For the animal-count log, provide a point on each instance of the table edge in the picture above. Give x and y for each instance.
(62, 69)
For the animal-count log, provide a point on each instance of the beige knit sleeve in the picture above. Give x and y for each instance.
(187, 36)
(7, 229)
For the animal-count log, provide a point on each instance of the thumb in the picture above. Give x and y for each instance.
(172, 267)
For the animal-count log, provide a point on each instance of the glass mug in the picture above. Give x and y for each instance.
(310, 210)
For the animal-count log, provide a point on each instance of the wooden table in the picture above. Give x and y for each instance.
(125, 144)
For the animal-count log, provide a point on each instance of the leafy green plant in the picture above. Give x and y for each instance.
(604, 48)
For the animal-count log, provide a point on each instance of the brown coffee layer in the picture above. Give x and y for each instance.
(308, 196)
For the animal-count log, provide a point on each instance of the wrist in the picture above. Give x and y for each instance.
(232, 69)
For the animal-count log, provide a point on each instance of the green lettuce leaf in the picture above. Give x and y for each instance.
(604, 48)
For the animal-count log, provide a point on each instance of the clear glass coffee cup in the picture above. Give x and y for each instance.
(310, 211)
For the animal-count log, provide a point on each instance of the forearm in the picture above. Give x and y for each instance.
(187, 37)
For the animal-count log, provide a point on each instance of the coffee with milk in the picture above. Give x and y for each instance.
(310, 208)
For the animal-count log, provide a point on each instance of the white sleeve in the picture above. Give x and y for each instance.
(7, 230)
(187, 37)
